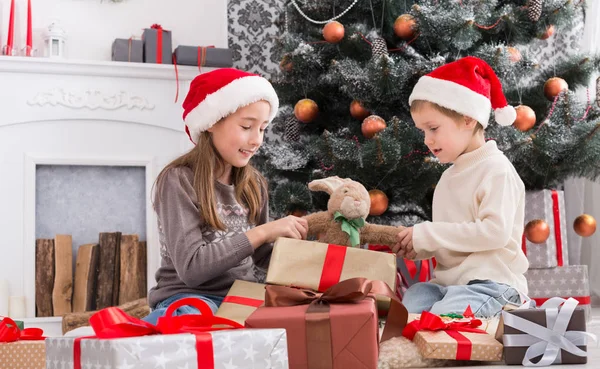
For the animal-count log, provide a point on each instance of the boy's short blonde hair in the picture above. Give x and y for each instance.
(418, 105)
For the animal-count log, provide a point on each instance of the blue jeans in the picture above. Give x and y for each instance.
(486, 298)
(161, 308)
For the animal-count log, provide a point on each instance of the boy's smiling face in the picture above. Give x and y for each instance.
(446, 137)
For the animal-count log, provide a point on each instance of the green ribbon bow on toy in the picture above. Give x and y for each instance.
(350, 226)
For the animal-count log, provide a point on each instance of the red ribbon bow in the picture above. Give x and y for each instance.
(9, 332)
(156, 26)
(432, 322)
(113, 323)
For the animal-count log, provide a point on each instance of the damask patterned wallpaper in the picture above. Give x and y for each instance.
(252, 26)
(253, 29)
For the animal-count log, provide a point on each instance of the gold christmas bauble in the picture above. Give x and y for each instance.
(513, 54)
(537, 231)
(554, 86)
(549, 32)
(404, 27)
(333, 32)
(306, 110)
(525, 118)
(358, 111)
(379, 202)
(372, 125)
(584, 225)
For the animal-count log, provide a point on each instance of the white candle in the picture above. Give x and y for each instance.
(16, 307)
(3, 297)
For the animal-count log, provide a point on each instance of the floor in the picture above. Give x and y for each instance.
(594, 350)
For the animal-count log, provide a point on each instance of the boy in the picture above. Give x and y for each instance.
(478, 204)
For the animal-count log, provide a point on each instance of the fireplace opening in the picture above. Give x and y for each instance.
(94, 216)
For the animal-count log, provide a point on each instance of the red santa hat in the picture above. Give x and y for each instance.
(221, 92)
(468, 86)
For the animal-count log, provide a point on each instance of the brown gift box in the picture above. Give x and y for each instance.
(23, 355)
(302, 264)
(440, 345)
(351, 329)
(513, 355)
(241, 301)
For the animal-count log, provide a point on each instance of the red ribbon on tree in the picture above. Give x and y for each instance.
(432, 322)
(9, 332)
(112, 323)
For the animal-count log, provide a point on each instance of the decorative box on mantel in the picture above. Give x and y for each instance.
(62, 112)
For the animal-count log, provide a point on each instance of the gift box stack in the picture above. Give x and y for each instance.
(156, 46)
(327, 298)
(319, 294)
(550, 274)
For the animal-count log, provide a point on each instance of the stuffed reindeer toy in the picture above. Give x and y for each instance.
(344, 221)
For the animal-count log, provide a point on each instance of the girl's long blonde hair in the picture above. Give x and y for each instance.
(205, 163)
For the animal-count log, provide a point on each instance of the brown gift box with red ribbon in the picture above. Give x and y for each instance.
(443, 338)
(337, 329)
(158, 46)
(21, 348)
(318, 266)
(23, 355)
(203, 56)
(241, 301)
(547, 205)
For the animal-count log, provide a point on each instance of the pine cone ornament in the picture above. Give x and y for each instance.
(292, 130)
(534, 10)
(379, 47)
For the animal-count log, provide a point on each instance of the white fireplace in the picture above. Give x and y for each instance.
(79, 113)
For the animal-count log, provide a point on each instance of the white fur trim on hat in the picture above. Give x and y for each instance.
(227, 100)
(453, 96)
(505, 116)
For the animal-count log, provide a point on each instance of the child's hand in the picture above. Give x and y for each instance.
(404, 247)
(290, 226)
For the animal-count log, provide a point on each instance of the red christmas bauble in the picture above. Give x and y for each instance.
(379, 202)
(306, 110)
(554, 86)
(372, 125)
(537, 231)
(333, 32)
(358, 111)
(404, 27)
(584, 225)
(549, 32)
(525, 118)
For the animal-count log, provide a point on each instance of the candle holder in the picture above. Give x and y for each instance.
(33, 52)
(13, 51)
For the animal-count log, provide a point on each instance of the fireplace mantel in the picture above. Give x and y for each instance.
(80, 113)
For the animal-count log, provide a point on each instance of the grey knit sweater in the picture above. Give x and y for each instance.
(196, 258)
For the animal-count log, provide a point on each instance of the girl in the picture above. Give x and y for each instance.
(211, 204)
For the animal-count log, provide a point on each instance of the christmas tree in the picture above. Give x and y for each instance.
(348, 68)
